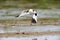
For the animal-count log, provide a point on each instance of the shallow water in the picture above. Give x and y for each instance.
(45, 37)
(18, 28)
(11, 13)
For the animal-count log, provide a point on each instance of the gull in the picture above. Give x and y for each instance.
(30, 11)
(26, 12)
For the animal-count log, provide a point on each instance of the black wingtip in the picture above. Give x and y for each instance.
(17, 16)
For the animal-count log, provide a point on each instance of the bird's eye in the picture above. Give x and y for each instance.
(36, 14)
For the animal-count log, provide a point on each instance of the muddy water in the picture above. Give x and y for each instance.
(16, 28)
(11, 13)
(45, 37)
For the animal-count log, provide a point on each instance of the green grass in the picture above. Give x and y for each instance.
(40, 4)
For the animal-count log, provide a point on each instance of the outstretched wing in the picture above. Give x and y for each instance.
(24, 12)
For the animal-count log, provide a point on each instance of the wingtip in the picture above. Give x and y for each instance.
(17, 16)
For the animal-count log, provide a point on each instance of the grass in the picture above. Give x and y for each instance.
(40, 4)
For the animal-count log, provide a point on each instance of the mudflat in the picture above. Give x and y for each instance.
(41, 21)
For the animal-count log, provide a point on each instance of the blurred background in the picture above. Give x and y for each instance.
(25, 4)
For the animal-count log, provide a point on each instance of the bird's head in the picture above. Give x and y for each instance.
(31, 10)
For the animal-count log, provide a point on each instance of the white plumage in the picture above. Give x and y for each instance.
(35, 17)
(30, 11)
(26, 12)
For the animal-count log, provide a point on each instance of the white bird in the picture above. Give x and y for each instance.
(34, 18)
(26, 12)
(30, 11)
